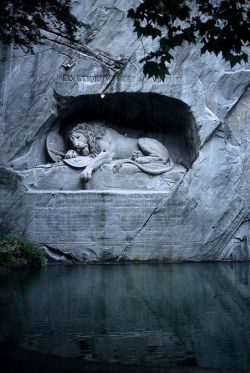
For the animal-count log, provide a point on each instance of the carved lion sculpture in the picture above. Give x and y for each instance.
(100, 145)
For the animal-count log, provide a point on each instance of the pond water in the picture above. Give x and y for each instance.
(146, 314)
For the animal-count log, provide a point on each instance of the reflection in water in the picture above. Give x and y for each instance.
(171, 314)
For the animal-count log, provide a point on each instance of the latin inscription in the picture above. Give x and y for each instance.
(100, 79)
(92, 217)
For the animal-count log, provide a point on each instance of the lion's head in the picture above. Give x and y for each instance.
(85, 138)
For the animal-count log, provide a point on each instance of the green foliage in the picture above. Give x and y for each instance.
(219, 26)
(16, 251)
(22, 22)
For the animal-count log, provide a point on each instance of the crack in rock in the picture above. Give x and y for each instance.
(110, 62)
(158, 207)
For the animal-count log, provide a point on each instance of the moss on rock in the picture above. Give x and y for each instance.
(17, 252)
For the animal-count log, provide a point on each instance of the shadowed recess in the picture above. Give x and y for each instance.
(143, 112)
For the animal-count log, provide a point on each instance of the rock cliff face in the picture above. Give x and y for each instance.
(203, 216)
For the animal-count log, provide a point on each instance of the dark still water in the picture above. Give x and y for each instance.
(162, 315)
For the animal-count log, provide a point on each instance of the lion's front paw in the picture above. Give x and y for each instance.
(86, 174)
(117, 167)
(136, 155)
(71, 154)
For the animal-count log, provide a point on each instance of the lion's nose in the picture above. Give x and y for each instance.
(85, 151)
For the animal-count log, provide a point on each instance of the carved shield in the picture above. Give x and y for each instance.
(55, 146)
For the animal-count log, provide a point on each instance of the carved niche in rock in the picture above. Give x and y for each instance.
(95, 147)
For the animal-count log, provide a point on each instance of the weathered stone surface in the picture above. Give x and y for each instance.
(204, 217)
(130, 177)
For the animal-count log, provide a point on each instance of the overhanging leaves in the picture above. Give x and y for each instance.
(22, 21)
(220, 27)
